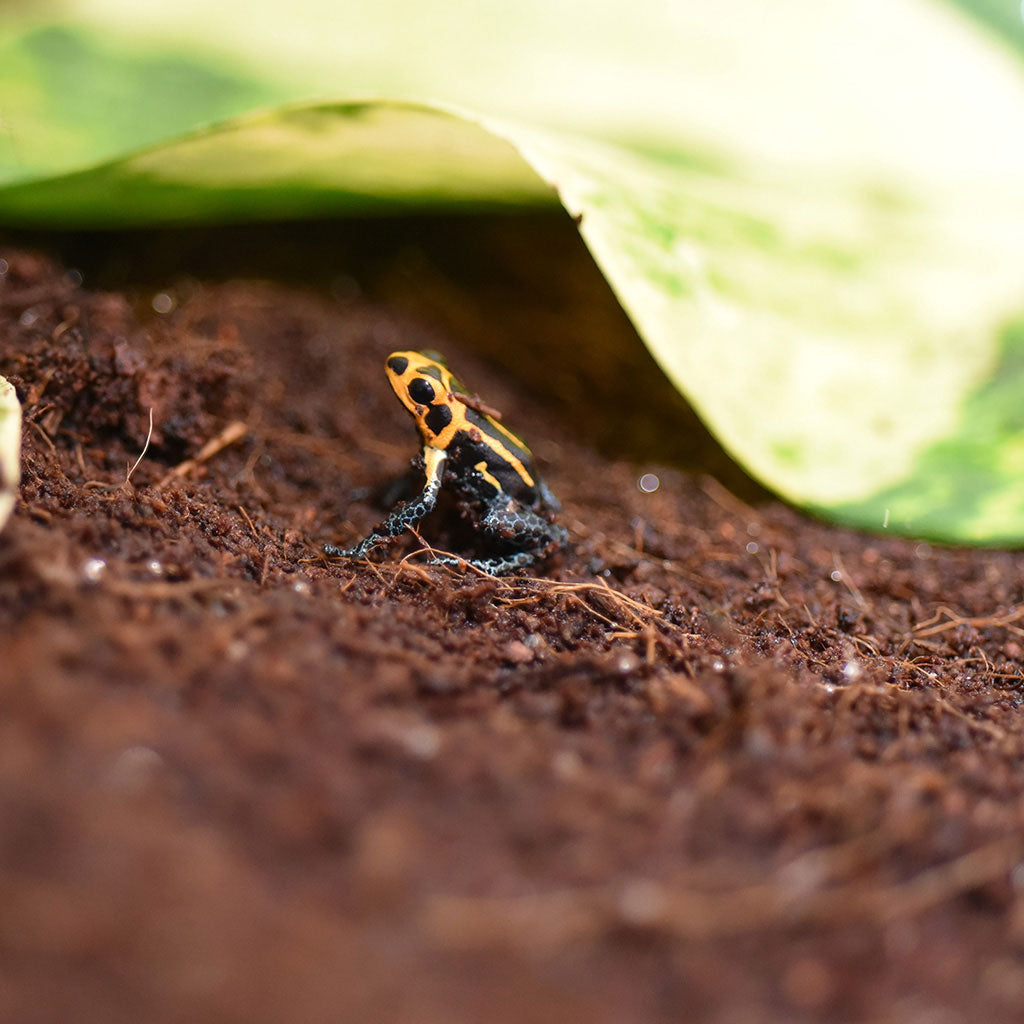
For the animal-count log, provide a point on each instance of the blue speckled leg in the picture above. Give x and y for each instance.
(519, 525)
(402, 518)
(497, 566)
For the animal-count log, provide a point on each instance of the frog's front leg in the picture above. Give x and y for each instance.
(405, 515)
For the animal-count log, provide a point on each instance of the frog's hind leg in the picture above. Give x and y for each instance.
(513, 524)
(516, 523)
(500, 565)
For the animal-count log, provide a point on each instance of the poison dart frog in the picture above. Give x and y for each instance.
(466, 450)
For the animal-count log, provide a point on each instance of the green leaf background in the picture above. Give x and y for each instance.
(811, 212)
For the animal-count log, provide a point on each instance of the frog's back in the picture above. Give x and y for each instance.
(508, 462)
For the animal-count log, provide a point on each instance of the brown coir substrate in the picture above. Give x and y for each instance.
(718, 762)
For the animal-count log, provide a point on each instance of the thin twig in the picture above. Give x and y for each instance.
(229, 435)
(930, 626)
(145, 448)
(245, 516)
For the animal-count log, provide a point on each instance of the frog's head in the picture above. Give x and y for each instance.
(426, 387)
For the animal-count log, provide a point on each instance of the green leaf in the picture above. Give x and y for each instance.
(10, 449)
(304, 160)
(968, 484)
(70, 98)
(825, 262)
(841, 342)
(1005, 18)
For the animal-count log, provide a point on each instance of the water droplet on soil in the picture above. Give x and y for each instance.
(237, 650)
(567, 765)
(641, 902)
(422, 741)
(134, 767)
(163, 303)
(94, 569)
(627, 662)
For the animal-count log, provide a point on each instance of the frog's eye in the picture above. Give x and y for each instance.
(421, 391)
